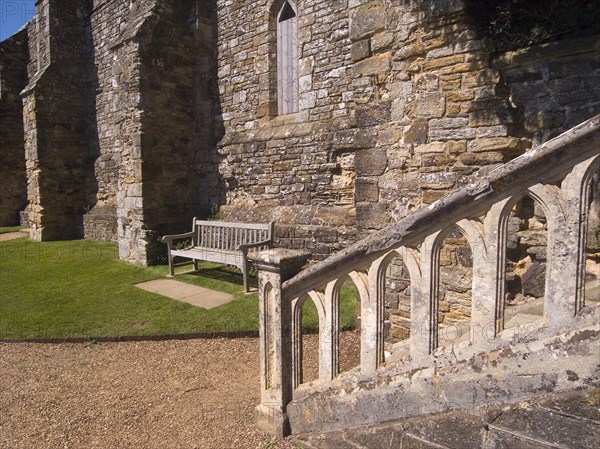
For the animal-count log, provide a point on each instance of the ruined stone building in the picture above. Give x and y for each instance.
(120, 120)
(123, 119)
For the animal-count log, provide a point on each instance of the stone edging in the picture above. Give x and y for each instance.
(130, 338)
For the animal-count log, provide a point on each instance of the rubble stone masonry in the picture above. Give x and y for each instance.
(13, 77)
(139, 115)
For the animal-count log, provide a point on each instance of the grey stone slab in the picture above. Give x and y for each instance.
(547, 427)
(502, 440)
(329, 440)
(191, 294)
(579, 404)
(452, 430)
(377, 437)
(13, 235)
(412, 442)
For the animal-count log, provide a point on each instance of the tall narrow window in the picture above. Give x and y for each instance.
(287, 60)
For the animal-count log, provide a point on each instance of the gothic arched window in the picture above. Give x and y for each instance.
(287, 60)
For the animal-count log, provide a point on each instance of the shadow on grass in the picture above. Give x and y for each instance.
(225, 273)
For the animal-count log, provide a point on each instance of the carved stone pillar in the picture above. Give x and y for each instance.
(275, 324)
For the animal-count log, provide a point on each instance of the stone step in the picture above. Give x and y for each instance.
(542, 427)
(401, 392)
(453, 430)
(568, 420)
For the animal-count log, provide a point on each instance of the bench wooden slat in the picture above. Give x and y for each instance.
(219, 241)
(225, 224)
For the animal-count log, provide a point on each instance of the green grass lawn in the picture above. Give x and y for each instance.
(80, 289)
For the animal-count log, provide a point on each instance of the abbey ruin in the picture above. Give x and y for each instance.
(122, 120)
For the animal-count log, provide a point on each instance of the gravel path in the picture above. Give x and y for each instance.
(172, 394)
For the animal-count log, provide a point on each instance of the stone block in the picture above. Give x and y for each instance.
(428, 105)
(441, 161)
(533, 280)
(546, 427)
(487, 158)
(430, 196)
(417, 133)
(434, 147)
(381, 41)
(544, 120)
(491, 117)
(452, 133)
(374, 65)
(366, 20)
(366, 192)
(457, 147)
(371, 215)
(509, 144)
(308, 100)
(437, 181)
(409, 51)
(360, 50)
(373, 114)
(370, 162)
(443, 62)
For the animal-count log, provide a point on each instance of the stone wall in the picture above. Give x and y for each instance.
(147, 113)
(118, 167)
(58, 105)
(113, 111)
(296, 169)
(400, 103)
(178, 86)
(552, 87)
(13, 77)
(119, 125)
(429, 102)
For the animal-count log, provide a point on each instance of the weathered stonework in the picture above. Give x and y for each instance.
(57, 111)
(465, 234)
(297, 169)
(168, 109)
(118, 113)
(13, 77)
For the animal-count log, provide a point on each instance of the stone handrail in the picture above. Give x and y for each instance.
(459, 203)
(558, 175)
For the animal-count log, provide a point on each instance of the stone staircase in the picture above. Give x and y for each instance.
(568, 420)
(488, 377)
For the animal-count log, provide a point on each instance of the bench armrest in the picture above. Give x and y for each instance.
(169, 239)
(245, 247)
(186, 235)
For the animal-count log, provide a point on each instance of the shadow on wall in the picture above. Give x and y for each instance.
(180, 97)
(91, 182)
(548, 77)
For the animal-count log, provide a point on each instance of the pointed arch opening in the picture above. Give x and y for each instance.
(397, 307)
(525, 267)
(308, 319)
(592, 238)
(287, 59)
(349, 326)
(453, 301)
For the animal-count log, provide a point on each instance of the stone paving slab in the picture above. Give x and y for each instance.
(562, 420)
(192, 294)
(13, 235)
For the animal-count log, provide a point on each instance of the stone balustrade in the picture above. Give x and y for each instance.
(557, 175)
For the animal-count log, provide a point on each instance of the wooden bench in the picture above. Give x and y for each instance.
(222, 242)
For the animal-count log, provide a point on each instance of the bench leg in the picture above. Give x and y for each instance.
(195, 265)
(245, 274)
(171, 268)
